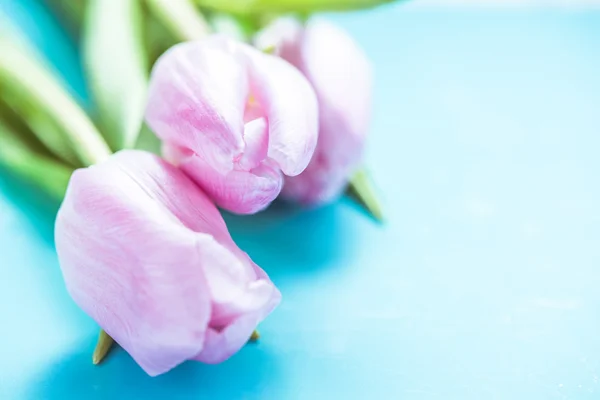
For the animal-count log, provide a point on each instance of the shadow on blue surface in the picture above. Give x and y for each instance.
(120, 378)
(285, 240)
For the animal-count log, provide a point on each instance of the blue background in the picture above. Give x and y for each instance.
(483, 284)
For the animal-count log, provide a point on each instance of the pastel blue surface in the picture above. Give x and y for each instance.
(483, 284)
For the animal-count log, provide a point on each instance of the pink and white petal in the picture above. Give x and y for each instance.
(341, 75)
(147, 289)
(251, 298)
(321, 183)
(237, 284)
(242, 192)
(285, 36)
(147, 255)
(256, 136)
(290, 106)
(187, 202)
(222, 344)
(196, 99)
(233, 283)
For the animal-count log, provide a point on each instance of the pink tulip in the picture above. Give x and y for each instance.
(147, 255)
(234, 119)
(341, 77)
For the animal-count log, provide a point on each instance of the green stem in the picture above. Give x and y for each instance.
(50, 112)
(22, 154)
(115, 64)
(181, 18)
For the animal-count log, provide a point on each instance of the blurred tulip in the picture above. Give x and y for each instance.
(233, 118)
(341, 76)
(147, 255)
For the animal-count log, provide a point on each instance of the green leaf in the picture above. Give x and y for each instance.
(20, 129)
(287, 6)
(13, 40)
(115, 61)
(181, 18)
(361, 189)
(29, 87)
(26, 157)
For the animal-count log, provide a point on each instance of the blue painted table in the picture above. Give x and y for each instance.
(483, 284)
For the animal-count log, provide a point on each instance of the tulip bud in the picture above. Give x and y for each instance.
(341, 77)
(234, 119)
(147, 255)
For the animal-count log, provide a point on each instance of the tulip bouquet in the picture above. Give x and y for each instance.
(197, 105)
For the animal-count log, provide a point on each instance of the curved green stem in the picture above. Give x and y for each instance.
(50, 112)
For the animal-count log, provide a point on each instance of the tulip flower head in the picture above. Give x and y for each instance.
(147, 255)
(234, 119)
(341, 76)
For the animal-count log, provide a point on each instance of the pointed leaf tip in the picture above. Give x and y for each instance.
(103, 347)
(255, 336)
(361, 189)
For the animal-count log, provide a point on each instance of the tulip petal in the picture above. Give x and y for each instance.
(256, 136)
(284, 36)
(239, 191)
(119, 283)
(233, 286)
(291, 108)
(197, 96)
(221, 344)
(233, 119)
(342, 79)
(147, 255)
